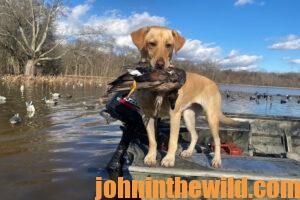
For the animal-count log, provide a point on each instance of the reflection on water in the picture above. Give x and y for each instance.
(56, 153)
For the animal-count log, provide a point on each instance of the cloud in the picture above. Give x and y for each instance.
(197, 51)
(295, 61)
(238, 61)
(118, 27)
(291, 42)
(243, 2)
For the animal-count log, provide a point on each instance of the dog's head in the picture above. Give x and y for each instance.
(157, 44)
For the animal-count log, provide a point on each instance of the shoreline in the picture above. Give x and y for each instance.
(262, 86)
(103, 79)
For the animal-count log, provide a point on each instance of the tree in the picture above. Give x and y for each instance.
(27, 25)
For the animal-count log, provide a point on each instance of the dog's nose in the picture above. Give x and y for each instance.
(160, 63)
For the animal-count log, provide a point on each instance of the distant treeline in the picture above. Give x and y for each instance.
(29, 46)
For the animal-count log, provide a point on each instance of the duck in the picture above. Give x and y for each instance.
(16, 119)
(55, 95)
(50, 101)
(149, 78)
(30, 107)
(162, 81)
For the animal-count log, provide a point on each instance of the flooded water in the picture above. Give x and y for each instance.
(57, 153)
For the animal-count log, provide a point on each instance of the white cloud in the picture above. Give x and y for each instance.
(243, 2)
(295, 61)
(197, 51)
(119, 27)
(238, 61)
(291, 42)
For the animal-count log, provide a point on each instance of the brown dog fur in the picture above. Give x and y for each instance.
(157, 45)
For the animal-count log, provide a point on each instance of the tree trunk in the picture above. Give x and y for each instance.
(30, 68)
(15, 65)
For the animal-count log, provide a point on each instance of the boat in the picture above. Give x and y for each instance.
(262, 148)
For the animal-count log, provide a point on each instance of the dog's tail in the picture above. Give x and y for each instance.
(228, 121)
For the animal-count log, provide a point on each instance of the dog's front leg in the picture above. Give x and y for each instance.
(150, 159)
(169, 159)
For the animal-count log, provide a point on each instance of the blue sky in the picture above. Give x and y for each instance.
(239, 34)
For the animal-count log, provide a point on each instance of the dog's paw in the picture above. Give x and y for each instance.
(168, 161)
(186, 153)
(150, 159)
(216, 162)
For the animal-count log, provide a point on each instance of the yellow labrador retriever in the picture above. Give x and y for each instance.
(156, 45)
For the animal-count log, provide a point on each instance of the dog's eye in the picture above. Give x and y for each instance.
(168, 46)
(152, 44)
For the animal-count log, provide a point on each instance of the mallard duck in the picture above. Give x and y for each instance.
(149, 78)
(162, 81)
(15, 119)
(30, 107)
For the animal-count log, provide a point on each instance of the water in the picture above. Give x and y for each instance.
(57, 153)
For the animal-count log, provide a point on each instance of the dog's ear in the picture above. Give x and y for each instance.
(179, 40)
(138, 36)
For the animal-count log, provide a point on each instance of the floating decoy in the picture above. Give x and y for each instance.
(15, 119)
(163, 82)
(2, 98)
(88, 107)
(227, 94)
(30, 107)
(283, 101)
(68, 96)
(50, 101)
(22, 88)
(265, 96)
(252, 98)
(55, 95)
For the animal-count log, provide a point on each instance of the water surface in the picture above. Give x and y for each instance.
(57, 153)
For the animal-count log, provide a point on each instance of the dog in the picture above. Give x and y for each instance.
(157, 45)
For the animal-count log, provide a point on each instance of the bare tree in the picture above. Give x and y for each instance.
(33, 21)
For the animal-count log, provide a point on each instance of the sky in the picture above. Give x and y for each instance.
(254, 35)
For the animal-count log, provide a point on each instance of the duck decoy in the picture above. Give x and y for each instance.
(30, 107)
(55, 95)
(68, 96)
(15, 119)
(88, 107)
(22, 88)
(283, 101)
(50, 101)
(2, 98)
(252, 98)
